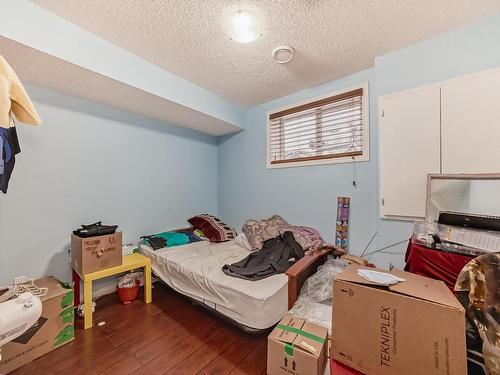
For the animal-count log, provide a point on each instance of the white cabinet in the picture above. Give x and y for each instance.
(450, 127)
(409, 135)
(470, 124)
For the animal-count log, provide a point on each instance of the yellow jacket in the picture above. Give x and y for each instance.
(14, 98)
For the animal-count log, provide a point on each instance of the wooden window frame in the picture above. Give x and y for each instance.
(347, 157)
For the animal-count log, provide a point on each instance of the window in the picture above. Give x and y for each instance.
(327, 130)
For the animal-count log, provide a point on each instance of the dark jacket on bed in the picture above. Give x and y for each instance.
(276, 256)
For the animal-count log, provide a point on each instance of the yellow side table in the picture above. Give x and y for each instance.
(130, 262)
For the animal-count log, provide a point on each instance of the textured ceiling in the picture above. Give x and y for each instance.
(34, 67)
(331, 38)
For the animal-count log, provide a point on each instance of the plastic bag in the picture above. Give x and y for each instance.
(319, 286)
(128, 280)
(316, 296)
(128, 249)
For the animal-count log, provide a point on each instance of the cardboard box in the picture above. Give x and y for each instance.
(96, 253)
(296, 347)
(414, 327)
(54, 328)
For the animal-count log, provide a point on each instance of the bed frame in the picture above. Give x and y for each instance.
(300, 271)
(217, 313)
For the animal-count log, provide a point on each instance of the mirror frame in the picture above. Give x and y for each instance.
(458, 176)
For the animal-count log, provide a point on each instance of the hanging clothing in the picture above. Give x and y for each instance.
(2, 162)
(7, 173)
(13, 140)
(5, 152)
(276, 256)
(14, 103)
(14, 99)
(10, 148)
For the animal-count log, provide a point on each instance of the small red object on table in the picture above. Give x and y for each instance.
(436, 264)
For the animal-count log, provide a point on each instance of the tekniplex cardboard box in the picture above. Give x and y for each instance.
(54, 328)
(414, 327)
(296, 347)
(92, 254)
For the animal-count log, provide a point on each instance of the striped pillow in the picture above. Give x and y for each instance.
(215, 229)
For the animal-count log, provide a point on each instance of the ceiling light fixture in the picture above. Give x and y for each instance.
(282, 54)
(243, 27)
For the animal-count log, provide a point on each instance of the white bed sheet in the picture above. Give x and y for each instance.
(196, 271)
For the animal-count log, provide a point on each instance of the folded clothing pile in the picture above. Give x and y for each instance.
(172, 238)
(259, 231)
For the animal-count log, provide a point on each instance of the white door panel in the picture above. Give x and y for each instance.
(409, 135)
(471, 124)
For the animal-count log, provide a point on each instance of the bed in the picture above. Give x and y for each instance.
(195, 270)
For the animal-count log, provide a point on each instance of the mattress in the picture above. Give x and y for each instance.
(196, 270)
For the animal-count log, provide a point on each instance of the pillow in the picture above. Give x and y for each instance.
(258, 231)
(242, 240)
(213, 228)
(309, 238)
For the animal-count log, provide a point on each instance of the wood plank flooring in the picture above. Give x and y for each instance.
(168, 336)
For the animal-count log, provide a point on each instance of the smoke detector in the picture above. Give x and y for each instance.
(282, 54)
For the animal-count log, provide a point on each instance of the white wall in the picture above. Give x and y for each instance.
(87, 163)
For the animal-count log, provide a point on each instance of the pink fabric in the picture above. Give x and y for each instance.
(310, 236)
(311, 233)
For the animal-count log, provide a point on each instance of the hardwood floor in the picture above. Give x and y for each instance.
(168, 336)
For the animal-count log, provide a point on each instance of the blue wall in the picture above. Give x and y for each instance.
(302, 195)
(156, 175)
(307, 195)
(89, 162)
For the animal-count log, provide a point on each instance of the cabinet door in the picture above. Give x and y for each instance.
(471, 124)
(409, 149)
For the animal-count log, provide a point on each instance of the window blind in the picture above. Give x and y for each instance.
(323, 129)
